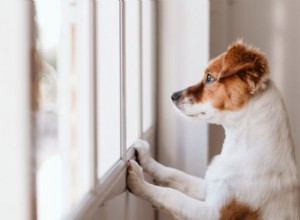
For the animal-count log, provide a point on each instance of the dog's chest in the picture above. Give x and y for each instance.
(223, 169)
(227, 178)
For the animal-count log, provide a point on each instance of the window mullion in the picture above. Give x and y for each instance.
(141, 67)
(94, 92)
(122, 81)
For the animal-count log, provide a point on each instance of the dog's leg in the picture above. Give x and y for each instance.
(169, 200)
(166, 176)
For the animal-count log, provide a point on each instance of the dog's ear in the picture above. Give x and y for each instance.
(248, 63)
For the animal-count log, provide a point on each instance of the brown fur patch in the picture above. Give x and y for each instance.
(234, 210)
(248, 63)
(239, 73)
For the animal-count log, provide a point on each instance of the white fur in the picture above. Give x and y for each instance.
(256, 166)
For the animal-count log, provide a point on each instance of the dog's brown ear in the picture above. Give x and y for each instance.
(248, 63)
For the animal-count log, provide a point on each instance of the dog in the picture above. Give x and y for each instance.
(255, 175)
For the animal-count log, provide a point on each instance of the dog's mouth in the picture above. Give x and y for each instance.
(182, 108)
(195, 115)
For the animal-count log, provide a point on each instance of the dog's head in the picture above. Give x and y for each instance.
(227, 85)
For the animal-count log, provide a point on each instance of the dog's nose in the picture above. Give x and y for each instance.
(176, 95)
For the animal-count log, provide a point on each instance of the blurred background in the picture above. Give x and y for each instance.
(83, 58)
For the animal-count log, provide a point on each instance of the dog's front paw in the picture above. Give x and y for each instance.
(135, 178)
(143, 154)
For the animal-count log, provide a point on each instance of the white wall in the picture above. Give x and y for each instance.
(182, 56)
(272, 26)
(16, 170)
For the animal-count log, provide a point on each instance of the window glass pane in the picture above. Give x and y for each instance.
(108, 85)
(61, 109)
(133, 69)
(48, 157)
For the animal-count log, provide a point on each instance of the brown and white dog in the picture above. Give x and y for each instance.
(255, 176)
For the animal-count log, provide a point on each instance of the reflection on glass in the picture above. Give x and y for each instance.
(62, 172)
(48, 159)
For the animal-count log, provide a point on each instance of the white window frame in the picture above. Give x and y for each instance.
(113, 182)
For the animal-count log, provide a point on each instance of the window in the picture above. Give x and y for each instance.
(62, 114)
(94, 98)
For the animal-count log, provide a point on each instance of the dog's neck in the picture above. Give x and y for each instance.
(261, 128)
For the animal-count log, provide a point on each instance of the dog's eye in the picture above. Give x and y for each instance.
(209, 79)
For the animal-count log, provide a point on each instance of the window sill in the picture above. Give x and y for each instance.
(112, 184)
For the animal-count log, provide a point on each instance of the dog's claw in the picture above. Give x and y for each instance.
(136, 154)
